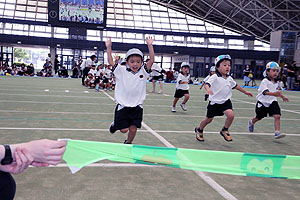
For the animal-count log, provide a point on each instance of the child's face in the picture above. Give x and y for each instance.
(134, 63)
(273, 73)
(185, 70)
(224, 67)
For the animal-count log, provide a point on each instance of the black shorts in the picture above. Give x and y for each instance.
(105, 80)
(158, 78)
(218, 109)
(7, 186)
(128, 116)
(97, 80)
(262, 111)
(180, 93)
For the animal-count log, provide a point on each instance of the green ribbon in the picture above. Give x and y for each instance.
(81, 153)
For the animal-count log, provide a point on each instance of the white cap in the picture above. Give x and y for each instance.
(271, 65)
(154, 66)
(134, 51)
(219, 59)
(185, 64)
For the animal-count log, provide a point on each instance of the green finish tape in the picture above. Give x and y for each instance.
(81, 153)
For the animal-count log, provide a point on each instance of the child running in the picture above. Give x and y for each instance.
(182, 87)
(212, 71)
(130, 90)
(219, 87)
(266, 99)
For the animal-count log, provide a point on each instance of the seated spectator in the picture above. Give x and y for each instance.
(169, 75)
(29, 71)
(49, 71)
(89, 81)
(14, 69)
(63, 72)
(22, 69)
(196, 80)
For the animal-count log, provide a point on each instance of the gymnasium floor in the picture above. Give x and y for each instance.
(35, 108)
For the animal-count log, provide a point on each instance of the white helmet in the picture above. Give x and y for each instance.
(212, 69)
(134, 51)
(184, 64)
(220, 58)
(271, 65)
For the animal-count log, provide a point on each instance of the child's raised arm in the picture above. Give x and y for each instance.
(149, 41)
(239, 88)
(108, 44)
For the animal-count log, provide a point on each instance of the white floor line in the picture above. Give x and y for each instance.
(22, 90)
(218, 188)
(155, 115)
(144, 131)
(49, 95)
(53, 102)
(80, 103)
(291, 111)
(111, 165)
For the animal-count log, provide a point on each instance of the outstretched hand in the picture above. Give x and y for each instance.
(285, 99)
(249, 94)
(46, 151)
(108, 42)
(149, 40)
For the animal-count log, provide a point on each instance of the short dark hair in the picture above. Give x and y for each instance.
(93, 56)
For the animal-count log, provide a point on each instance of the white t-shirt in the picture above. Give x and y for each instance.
(182, 78)
(93, 71)
(99, 72)
(107, 73)
(206, 78)
(266, 85)
(221, 87)
(86, 63)
(156, 70)
(130, 90)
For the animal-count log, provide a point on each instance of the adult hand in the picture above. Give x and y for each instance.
(46, 151)
(23, 160)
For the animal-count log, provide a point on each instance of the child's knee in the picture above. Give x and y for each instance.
(208, 120)
(229, 114)
(124, 130)
(277, 117)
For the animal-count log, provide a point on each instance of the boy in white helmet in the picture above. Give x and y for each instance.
(266, 99)
(182, 87)
(130, 90)
(219, 87)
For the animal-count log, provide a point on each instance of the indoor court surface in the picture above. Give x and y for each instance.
(34, 108)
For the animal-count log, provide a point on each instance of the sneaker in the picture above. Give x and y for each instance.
(226, 135)
(160, 91)
(183, 107)
(173, 109)
(199, 135)
(250, 126)
(279, 135)
(125, 142)
(112, 129)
